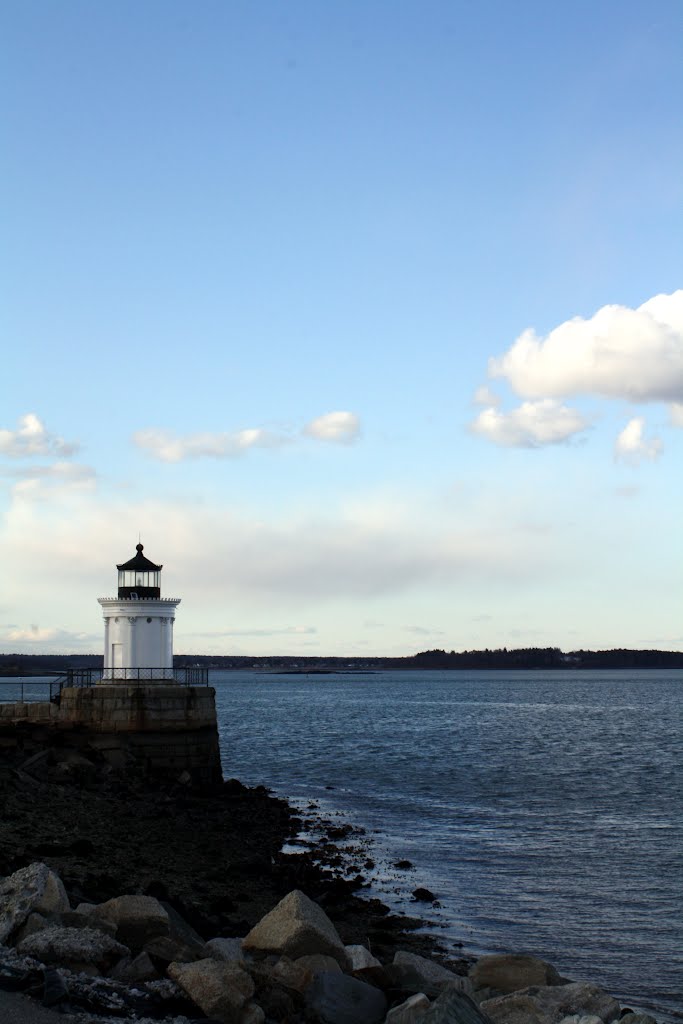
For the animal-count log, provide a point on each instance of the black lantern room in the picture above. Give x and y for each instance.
(139, 577)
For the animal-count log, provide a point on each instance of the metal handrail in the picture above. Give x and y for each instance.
(185, 675)
(20, 685)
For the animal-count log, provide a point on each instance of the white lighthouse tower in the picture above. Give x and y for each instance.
(138, 625)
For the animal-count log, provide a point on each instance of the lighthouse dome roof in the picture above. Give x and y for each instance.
(139, 562)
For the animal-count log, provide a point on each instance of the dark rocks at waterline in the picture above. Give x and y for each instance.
(266, 977)
(421, 895)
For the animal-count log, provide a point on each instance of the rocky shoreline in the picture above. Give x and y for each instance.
(123, 898)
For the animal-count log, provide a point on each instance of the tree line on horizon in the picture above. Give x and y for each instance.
(499, 658)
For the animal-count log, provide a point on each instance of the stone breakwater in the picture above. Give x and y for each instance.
(134, 957)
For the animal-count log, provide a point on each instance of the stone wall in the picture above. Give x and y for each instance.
(131, 708)
(157, 729)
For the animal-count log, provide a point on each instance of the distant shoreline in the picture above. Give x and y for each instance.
(525, 659)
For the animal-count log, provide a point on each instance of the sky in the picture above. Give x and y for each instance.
(366, 317)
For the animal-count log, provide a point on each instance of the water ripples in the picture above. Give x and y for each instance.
(545, 811)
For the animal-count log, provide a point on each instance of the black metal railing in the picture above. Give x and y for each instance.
(27, 690)
(186, 675)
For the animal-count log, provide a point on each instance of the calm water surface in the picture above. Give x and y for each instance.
(544, 810)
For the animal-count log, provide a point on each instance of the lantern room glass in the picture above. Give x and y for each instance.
(138, 578)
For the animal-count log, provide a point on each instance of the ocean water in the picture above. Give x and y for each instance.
(545, 810)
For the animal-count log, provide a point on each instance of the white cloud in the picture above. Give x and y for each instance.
(485, 396)
(634, 354)
(40, 482)
(51, 635)
(168, 447)
(632, 446)
(342, 427)
(529, 425)
(31, 438)
(32, 634)
(302, 559)
(676, 414)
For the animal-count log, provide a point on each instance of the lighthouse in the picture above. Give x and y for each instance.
(138, 625)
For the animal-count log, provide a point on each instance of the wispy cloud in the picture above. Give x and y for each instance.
(286, 631)
(530, 425)
(37, 483)
(303, 559)
(35, 634)
(422, 631)
(32, 438)
(632, 446)
(485, 396)
(168, 447)
(341, 427)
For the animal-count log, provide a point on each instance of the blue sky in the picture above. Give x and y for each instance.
(366, 316)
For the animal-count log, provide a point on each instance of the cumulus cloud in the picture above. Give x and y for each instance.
(632, 446)
(676, 414)
(168, 447)
(31, 438)
(634, 354)
(340, 427)
(530, 425)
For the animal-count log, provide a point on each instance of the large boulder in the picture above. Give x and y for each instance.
(514, 1008)
(166, 950)
(455, 1007)
(336, 998)
(138, 919)
(220, 990)
(510, 973)
(316, 963)
(35, 889)
(556, 1002)
(291, 975)
(295, 927)
(418, 974)
(361, 958)
(228, 950)
(79, 949)
(413, 1009)
(134, 970)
